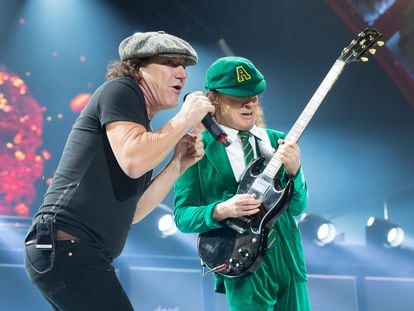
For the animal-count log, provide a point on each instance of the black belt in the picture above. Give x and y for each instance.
(59, 236)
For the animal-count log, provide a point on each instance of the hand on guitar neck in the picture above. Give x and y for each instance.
(289, 153)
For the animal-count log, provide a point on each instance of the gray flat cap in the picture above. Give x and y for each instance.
(149, 44)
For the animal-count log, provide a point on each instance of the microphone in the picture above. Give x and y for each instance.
(212, 126)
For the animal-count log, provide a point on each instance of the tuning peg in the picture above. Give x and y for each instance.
(372, 51)
(380, 43)
(364, 59)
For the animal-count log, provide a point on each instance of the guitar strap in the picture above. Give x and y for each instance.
(264, 149)
(267, 151)
(258, 151)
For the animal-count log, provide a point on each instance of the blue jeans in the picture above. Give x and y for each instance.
(76, 276)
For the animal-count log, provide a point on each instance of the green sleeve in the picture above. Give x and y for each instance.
(300, 193)
(191, 214)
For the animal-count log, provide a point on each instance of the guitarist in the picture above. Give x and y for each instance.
(205, 193)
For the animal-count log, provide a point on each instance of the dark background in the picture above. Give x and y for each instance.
(358, 151)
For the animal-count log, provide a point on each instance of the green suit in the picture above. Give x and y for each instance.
(281, 277)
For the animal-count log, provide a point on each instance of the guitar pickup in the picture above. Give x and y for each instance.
(261, 186)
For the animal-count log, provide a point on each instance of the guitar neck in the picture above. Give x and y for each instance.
(305, 117)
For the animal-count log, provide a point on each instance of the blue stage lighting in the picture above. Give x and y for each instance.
(382, 232)
(317, 229)
(166, 225)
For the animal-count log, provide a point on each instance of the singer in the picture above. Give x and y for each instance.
(104, 179)
(205, 193)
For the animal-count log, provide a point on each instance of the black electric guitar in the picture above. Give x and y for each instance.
(236, 249)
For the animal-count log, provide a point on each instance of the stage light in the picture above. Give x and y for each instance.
(382, 232)
(166, 225)
(317, 229)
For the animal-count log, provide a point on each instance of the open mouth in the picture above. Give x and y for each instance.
(178, 87)
(247, 114)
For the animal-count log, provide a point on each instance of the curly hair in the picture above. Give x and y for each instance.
(212, 95)
(125, 68)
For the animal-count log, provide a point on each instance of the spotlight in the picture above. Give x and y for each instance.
(166, 225)
(382, 232)
(317, 229)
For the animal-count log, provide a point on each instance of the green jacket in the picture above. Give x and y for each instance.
(211, 181)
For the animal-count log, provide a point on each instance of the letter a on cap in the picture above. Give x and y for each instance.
(242, 74)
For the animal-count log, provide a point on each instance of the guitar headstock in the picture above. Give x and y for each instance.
(363, 44)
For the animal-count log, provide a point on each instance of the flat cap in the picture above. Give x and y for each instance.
(157, 43)
(235, 76)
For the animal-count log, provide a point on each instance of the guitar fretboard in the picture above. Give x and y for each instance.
(305, 117)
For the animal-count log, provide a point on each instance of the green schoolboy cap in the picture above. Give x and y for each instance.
(235, 76)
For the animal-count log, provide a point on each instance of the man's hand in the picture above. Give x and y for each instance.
(290, 155)
(188, 151)
(237, 206)
(195, 108)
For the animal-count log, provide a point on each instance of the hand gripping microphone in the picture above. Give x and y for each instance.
(212, 126)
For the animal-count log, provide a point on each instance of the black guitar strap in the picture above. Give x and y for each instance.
(258, 151)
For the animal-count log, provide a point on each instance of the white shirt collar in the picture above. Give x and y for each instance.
(232, 133)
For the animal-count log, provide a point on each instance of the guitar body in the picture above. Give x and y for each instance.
(239, 246)
(267, 190)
